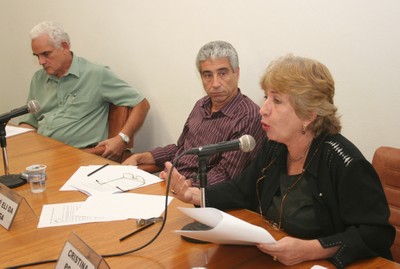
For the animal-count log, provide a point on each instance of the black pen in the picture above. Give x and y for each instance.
(138, 230)
(101, 167)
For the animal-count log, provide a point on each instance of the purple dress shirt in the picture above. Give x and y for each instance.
(203, 127)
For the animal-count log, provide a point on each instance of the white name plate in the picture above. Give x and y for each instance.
(9, 203)
(71, 258)
(76, 254)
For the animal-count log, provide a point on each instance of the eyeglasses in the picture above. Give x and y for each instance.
(127, 182)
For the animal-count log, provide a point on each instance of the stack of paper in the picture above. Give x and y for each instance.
(105, 207)
(105, 184)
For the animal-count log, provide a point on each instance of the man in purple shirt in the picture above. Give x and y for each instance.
(224, 114)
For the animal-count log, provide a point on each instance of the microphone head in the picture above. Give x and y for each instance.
(33, 106)
(247, 143)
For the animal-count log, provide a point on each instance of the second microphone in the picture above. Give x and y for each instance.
(245, 143)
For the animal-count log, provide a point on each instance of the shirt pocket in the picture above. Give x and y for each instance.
(77, 106)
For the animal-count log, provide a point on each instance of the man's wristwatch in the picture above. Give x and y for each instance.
(124, 137)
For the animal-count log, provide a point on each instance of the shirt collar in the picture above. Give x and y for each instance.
(73, 69)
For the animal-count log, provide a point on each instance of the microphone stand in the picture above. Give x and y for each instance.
(10, 180)
(202, 176)
(197, 226)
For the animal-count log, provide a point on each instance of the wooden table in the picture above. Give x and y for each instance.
(25, 243)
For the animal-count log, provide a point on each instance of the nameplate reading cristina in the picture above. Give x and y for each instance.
(9, 203)
(76, 254)
(71, 258)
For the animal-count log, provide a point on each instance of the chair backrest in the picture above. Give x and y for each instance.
(117, 117)
(386, 162)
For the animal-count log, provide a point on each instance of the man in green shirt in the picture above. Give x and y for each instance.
(74, 95)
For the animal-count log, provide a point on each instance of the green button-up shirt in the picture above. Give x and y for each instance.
(74, 108)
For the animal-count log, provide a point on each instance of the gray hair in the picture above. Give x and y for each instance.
(218, 49)
(54, 30)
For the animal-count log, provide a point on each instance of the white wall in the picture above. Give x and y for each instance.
(152, 45)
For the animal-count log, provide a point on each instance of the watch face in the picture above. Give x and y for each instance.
(124, 137)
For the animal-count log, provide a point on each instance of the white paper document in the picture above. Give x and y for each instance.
(226, 229)
(65, 214)
(108, 180)
(124, 206)
(100, 208)
(14, 130)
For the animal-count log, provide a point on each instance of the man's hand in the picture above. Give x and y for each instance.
(140, 158)
(114, 147)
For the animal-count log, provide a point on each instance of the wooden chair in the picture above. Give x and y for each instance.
(386, 162)
(117, 117)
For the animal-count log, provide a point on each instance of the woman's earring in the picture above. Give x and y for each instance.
(304, 129)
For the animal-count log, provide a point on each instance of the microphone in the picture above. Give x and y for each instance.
(245, 143)
(32, 106)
